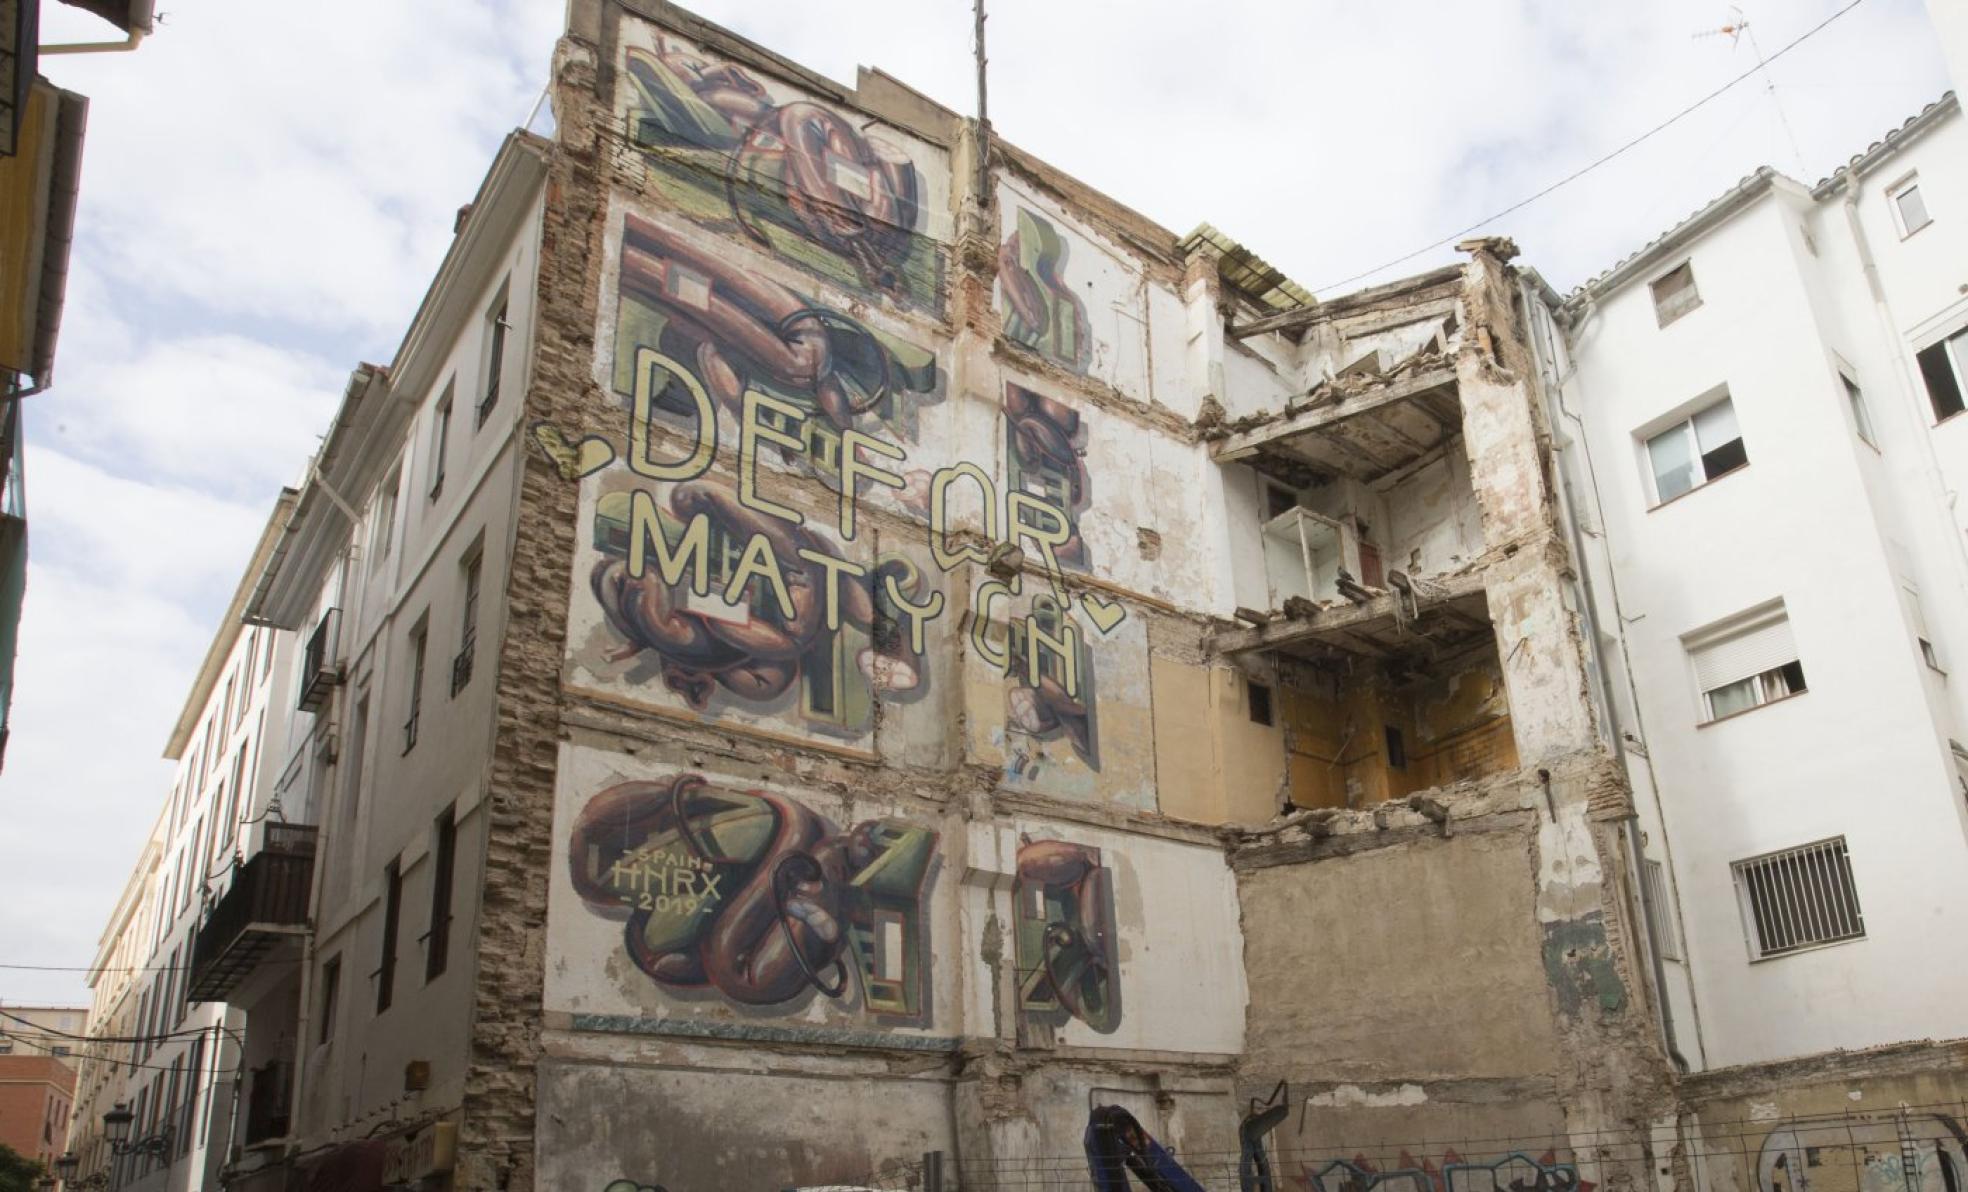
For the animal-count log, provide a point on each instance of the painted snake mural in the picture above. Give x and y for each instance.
(740, 329)
(1066, 937)
(1041, 311)
(757, 898)
(851, 193)
(759, 653)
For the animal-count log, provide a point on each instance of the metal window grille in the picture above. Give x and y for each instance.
(1799, 898)
(1653, 888)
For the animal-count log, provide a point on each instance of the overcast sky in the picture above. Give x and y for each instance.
(267, 189)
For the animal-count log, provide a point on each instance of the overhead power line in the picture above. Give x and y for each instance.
(1582, 171)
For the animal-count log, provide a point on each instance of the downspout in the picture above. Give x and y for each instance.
(1635, 906)
(96, 47)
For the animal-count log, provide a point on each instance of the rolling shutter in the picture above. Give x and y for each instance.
(1762, 647)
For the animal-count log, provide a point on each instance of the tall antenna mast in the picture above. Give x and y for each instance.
(983, 115)
(1734, 31)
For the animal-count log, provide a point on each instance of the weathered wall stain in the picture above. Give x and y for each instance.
(1578, 960)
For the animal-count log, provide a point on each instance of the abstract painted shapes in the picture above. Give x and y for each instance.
(1067, 961)
(756, 899)
(798, 177)
(1051, 694)
(1040, 309)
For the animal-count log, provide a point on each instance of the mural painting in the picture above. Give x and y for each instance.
(773, 628)
(1051, 691)
(691, 319)
(756, 900)
(797, 177)
(1066, 936)
(1047, 442)
(1040, 309)
(1515, 1172)
(1926, 1152)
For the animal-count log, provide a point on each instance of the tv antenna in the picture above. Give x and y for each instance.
(1735, 30)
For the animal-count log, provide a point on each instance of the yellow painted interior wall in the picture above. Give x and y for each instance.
(1453, 728)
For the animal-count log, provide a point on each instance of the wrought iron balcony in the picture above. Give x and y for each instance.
(319, 672)
(266, 907)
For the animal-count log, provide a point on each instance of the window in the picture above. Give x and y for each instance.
(495, 357)
(1910, 600)
(392, 914)
(461, 666)
(1941, 366)
(1798, 898)
(1746, 663)
(1689, 454)
(1397, 748)
(357, 741)
(1675, 294)
(1260, 702)
(1861, 420)
(1909, 206)
(383, 519)
(440, 441)
(419, 646)
(331, 992)
(438, 949)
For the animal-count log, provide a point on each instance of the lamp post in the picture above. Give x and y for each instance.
(116, 1128)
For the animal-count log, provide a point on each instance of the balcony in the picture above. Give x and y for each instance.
(265, 911)
(319, 672)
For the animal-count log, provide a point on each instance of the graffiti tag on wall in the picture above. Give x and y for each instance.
(1904, 1152)
(1066, 939)
(1514, 1172)
(755, 899)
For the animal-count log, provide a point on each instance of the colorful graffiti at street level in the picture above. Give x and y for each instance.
(1514, 1172)
(797, 177)
(1887, 1152)
(1068, 967)
(757, 899)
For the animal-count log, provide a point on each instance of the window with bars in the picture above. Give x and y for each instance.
(1798, 898)
(1747, 662)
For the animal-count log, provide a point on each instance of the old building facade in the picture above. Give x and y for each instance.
(833, 642)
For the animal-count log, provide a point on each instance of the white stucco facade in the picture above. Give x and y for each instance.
(1844, 512)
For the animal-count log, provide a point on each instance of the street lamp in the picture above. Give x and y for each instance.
(116, 1128)
(67, 1166)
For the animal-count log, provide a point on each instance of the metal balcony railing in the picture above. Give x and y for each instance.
(267, 904)
(319, 670)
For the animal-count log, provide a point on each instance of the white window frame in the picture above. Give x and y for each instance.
(1861, 413)
(1768, 684)
(1685, 423)
(440, 444)
(382, 534)
(1665, 314)
(1894, 193)
(1953, 348)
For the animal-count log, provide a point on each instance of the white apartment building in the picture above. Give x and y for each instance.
(1768, 398)
(170, 1053)
(389, 572)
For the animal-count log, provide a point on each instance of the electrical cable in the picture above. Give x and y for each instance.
(1582, 171)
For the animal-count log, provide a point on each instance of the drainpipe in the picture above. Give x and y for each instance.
(95, 47)
(1637, 907)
